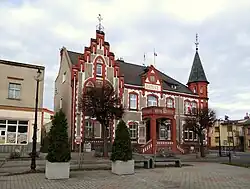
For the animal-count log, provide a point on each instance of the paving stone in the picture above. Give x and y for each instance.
(201, 175)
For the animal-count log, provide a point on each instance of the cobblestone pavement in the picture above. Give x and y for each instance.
(201, 175)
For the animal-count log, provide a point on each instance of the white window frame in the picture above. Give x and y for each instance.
(88, 128)
(16, 90)
(99, 69)
(133, 99)
(17, 125)
(152, 100)
(170, 103)
(133, 130)
(188, 131)
(187, 105)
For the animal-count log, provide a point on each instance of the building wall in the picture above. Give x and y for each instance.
(22, 115)
(63, 89)
(224, 134)
(24, 76)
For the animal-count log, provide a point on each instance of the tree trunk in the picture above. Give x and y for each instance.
(202, 151)
(105, 141)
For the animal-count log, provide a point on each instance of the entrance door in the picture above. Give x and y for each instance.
(147, 131)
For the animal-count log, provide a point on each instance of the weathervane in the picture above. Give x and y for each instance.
(196, 42)
(99, 26)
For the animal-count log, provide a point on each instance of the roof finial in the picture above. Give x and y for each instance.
(196, 41)
(99, 26)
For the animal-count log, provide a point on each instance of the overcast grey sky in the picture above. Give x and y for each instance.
(33, 31)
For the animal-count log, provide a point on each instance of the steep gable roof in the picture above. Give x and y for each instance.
(197, 73)
(133, 72)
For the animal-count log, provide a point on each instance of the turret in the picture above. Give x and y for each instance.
(197, 81)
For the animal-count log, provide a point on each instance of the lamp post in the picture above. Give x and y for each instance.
(34, 139)
(219, 140)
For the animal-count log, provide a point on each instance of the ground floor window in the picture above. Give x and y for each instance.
(189, 135)
(142, 132)
(88, 131)
(13, 132)
(133, 129)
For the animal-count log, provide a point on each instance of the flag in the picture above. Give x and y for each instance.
(155, 54)
(144, 57)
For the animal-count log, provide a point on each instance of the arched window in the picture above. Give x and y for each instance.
(187, 107)
(194, 106)
(133, 101)
(170, 103)
(152, 100)
(133, 129)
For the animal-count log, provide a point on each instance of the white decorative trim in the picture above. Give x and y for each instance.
(147, 147)
(164, 143)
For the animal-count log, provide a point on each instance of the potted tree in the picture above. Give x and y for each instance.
(121, 157)
(57, 164)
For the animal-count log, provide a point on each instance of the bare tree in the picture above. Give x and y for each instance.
(103, 103)
(198, 121)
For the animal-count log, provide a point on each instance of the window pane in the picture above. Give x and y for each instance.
(142, 132)
(23, 122)
(185, 135)
(22, 129)
(133, 101)
(12, 122)
(2, 121)
(11, 128)
(98, 69)
(11, 138)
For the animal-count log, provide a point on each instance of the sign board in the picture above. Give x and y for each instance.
(152, 87)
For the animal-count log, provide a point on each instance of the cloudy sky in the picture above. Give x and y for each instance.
(33, 31)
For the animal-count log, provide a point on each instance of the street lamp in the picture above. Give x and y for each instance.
(34, 139)
(219, 140)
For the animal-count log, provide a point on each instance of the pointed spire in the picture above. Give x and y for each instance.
(197, 73)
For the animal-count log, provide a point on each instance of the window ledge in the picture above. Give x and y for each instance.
(18, 99)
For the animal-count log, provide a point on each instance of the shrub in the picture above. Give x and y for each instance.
(122, 148)
(59, 149)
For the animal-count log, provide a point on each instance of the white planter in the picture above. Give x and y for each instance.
(123, 167)
(57, 170)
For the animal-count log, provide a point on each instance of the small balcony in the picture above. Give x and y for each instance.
(158, 111)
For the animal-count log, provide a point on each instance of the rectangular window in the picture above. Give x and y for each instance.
(133, 101)
(133, 130)
(14, 91)
(217, 129)
(13, 132)
(229, 128)
(249, 143)
(99, 69)
(185, 135)
(64, 77)
(217, 139)
(142, 132)
(152, 100)
(170, 103)
(230, 139)
(88, 132)
(248, 131)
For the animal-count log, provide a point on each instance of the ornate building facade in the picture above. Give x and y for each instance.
(149, 97)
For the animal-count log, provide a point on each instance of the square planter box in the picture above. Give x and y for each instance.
(123, 167)
(57, 170)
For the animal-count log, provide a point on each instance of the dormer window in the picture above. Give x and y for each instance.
(99, 69)
(173, 86)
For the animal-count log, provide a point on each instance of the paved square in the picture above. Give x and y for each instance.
(199, 176)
